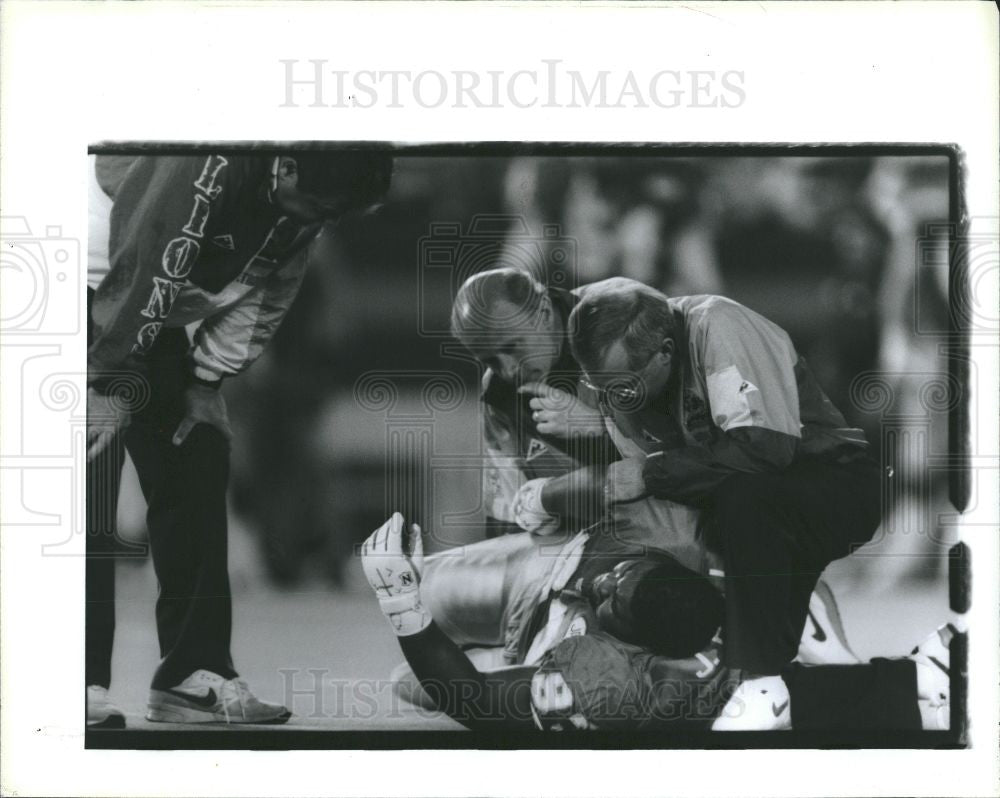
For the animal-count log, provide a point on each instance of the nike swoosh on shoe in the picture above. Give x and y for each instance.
(206, 701)
(818, 634)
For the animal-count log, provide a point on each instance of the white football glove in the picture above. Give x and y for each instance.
(395, 576)
(529, 514)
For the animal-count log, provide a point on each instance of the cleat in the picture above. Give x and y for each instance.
(206, 697)
(824, 641)
(759, 704)
(101, 713)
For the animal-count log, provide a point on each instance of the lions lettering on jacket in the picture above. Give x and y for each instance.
(194, 239)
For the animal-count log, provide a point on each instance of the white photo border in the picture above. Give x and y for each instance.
(78, 73)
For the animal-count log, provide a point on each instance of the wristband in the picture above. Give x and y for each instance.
(529, 513)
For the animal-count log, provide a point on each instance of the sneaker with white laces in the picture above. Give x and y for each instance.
(206, 697)
(760, 704)
(824, 641)
(101, 713)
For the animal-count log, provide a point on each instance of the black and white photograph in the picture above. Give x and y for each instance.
(632, 442)
(460, 426)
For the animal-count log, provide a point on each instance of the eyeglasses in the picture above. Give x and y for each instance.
(614, 394)
(623, 391)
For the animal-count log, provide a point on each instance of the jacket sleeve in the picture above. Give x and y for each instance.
(158, 221)
(748, 367)
(230, 341)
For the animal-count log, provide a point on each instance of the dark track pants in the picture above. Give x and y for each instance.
(881, 695)
(185, 489)
(777, 532)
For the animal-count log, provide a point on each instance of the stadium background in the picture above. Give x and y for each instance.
(363, 405)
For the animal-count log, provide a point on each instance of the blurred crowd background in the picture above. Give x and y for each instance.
(363, 404)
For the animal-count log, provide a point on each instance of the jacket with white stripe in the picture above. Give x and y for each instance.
(741, 399)
(195, 239)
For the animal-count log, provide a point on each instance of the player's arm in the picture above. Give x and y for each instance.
(749, 367)
(157, 223)
(546, 504)
(500, 699)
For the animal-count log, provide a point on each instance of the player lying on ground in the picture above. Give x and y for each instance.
(640, 649)
(501, 595)
(550, 466)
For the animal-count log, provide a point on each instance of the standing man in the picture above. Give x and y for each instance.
(729, 419)
(220, 242)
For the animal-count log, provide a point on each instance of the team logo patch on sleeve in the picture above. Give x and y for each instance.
(732, 398)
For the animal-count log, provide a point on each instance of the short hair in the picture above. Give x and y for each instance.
(619, 309)
(363, 176)
(676, 611)
(474, 308)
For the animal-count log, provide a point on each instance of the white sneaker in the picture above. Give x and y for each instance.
(101, 713)
(761, 704)
(824, 641)
(206, 697)
(933, 658)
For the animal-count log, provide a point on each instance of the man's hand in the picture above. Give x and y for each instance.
(560, 413)
(203, 405)
(105, 419)
(624, 480)
(395, 575)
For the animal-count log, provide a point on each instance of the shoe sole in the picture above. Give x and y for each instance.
(110, 722)
(186, 715)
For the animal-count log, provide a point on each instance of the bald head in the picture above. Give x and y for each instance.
(506, 319)
(494, 299)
